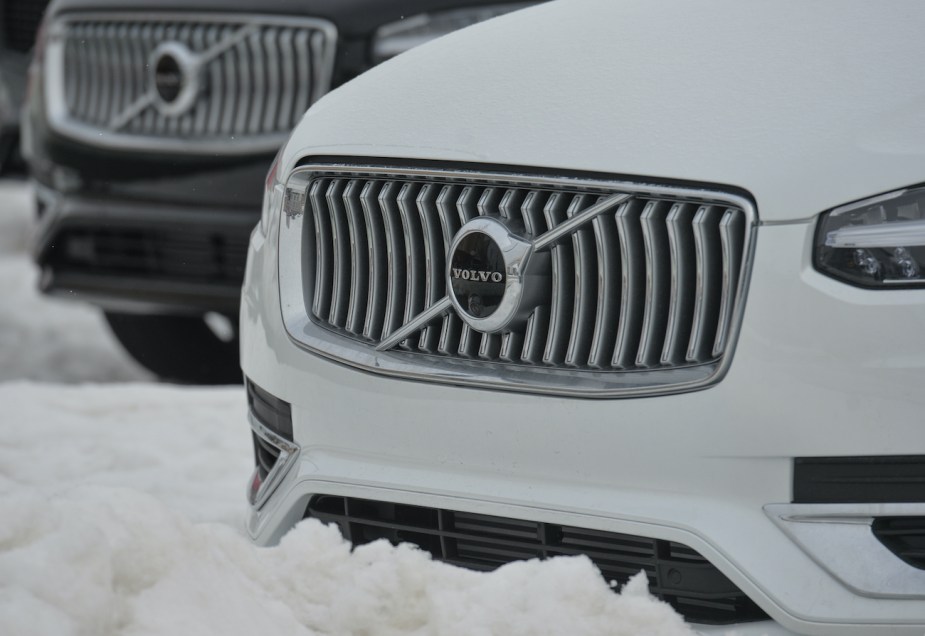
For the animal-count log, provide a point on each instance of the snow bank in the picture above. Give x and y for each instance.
(114, 561)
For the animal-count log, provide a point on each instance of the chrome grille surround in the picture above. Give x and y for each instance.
(247, 79)
(658, 310)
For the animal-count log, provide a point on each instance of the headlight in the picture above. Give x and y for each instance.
(877, 243)
(272, 194)
(398, 37)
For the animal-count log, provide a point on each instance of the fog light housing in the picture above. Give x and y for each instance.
(878, 243)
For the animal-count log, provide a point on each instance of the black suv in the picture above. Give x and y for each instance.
(149, 131)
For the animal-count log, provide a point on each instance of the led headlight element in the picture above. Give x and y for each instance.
(878, 242)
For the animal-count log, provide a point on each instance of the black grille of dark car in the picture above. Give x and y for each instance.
(21, 20)
(677, 574)
(276, 415)
(191, 254)
(904, 537)
(187, 82)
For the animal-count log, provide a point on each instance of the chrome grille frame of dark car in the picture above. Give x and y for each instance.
(251, 76)
(348, 210)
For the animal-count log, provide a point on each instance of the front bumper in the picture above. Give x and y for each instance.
(126, 255)
(820, 369)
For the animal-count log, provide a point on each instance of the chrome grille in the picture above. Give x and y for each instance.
(643, 296)
(245, 80)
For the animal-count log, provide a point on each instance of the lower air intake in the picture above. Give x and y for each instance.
(904, 537)
(677, 574)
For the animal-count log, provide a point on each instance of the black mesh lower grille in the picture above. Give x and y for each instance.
(193, 254)
(904, 537)
(677, 574)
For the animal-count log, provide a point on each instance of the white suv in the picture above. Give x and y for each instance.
(635, 280)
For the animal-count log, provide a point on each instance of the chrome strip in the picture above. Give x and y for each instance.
(288, 453)
(652, 220)
(395, 255)
(704, 287)
(681, 259)
(375, 238)
(321, 304)
(579, 333)
(340, 293)
(590, 384)
(729, 232)
(633, 264)
(359, 255)
(607, 272)
(838, 537)
(108, 135)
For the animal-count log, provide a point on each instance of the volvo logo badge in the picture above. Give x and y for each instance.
(474, 274)
(175, 78)
(168, 78)
(486, 275)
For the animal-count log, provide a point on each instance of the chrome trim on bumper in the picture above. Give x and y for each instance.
(839, 538)
(288, 453)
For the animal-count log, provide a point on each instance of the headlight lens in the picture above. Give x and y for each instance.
(398, 37)
(877, 243)
(272, 194)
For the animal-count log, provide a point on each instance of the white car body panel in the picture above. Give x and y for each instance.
(785, 101)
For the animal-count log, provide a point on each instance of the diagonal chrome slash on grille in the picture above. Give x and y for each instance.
(540, 243)
(199, 61)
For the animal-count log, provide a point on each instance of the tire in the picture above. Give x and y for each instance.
(178, 348)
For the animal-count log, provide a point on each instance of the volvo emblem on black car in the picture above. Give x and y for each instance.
(168, 78)
(174, 79)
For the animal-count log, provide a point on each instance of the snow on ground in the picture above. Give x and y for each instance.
(121, 507)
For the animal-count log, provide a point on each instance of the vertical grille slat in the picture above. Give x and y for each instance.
(633, 275)
(648, 287)
(359, 258)
(323, 246)
(378, 260)
(732, 238)
(340, 286)
(256, 76)
(303, 74)
(289, 80)
(414, 251)
(608, 285)
(658, 285)
(681, 306)
(585, 298)
(273, 81)
(395, 258)
(562, 296)
(449, 223)
(708, 282)
(434, 262)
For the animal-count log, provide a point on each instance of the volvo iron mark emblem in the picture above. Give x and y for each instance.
(476, 274)
(174, 78)
(488, 273)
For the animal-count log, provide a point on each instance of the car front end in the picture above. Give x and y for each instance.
(655, 301)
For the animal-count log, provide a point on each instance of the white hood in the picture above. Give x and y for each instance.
(806, 105)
